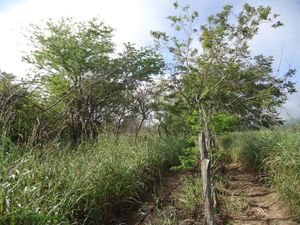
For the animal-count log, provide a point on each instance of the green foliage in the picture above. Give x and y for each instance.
(85, 85)
(220, 76)
(93, 184)
(19, 108)
(224, 122)
(188, 159)
(82, 87)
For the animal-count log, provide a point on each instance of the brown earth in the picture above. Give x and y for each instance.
(243, 199)
(252, 202)
(148, 210)
(169, 205)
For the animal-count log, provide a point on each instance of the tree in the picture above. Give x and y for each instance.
(85, 84)
(174, 117)
(67, 56)
(220, 75)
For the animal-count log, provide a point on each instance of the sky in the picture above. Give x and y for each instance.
(134, 19)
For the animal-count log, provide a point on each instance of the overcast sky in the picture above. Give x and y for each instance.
(133, 19)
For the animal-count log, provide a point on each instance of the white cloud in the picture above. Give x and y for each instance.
(132, 19)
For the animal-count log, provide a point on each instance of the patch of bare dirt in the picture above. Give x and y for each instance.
(165, 207)
(249, 201)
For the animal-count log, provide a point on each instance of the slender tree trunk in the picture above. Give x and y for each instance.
(205, 178)
(139, 127)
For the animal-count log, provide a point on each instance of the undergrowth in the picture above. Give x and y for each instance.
(96, 183)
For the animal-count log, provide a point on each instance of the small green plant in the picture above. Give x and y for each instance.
(188, 159)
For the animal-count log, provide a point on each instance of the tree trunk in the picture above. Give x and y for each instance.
(139, 128)
(206, 185)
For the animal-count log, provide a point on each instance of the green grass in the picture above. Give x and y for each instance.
(275, 152)
(90, 185)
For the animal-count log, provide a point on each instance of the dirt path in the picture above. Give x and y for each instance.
(249, 201)
(148, 210)
(170, 205)
(243, 199)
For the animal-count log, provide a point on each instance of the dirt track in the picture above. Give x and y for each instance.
(258, 204)
(244, 200)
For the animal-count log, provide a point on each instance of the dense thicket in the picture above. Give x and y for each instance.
(81, 84)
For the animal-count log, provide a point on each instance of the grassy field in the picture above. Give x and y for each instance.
(89, 185)
(275, 152)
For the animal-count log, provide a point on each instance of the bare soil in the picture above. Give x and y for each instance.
(252, 202)
(243, 199)
(148, 209)
(166, 206)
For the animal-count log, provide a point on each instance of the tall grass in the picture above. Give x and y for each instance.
(276, 152)
(90, 185)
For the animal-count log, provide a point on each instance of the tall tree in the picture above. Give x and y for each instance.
(215, 71)
(67, 55)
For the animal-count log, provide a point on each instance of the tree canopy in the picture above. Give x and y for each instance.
(215, 73)
(82, 86)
